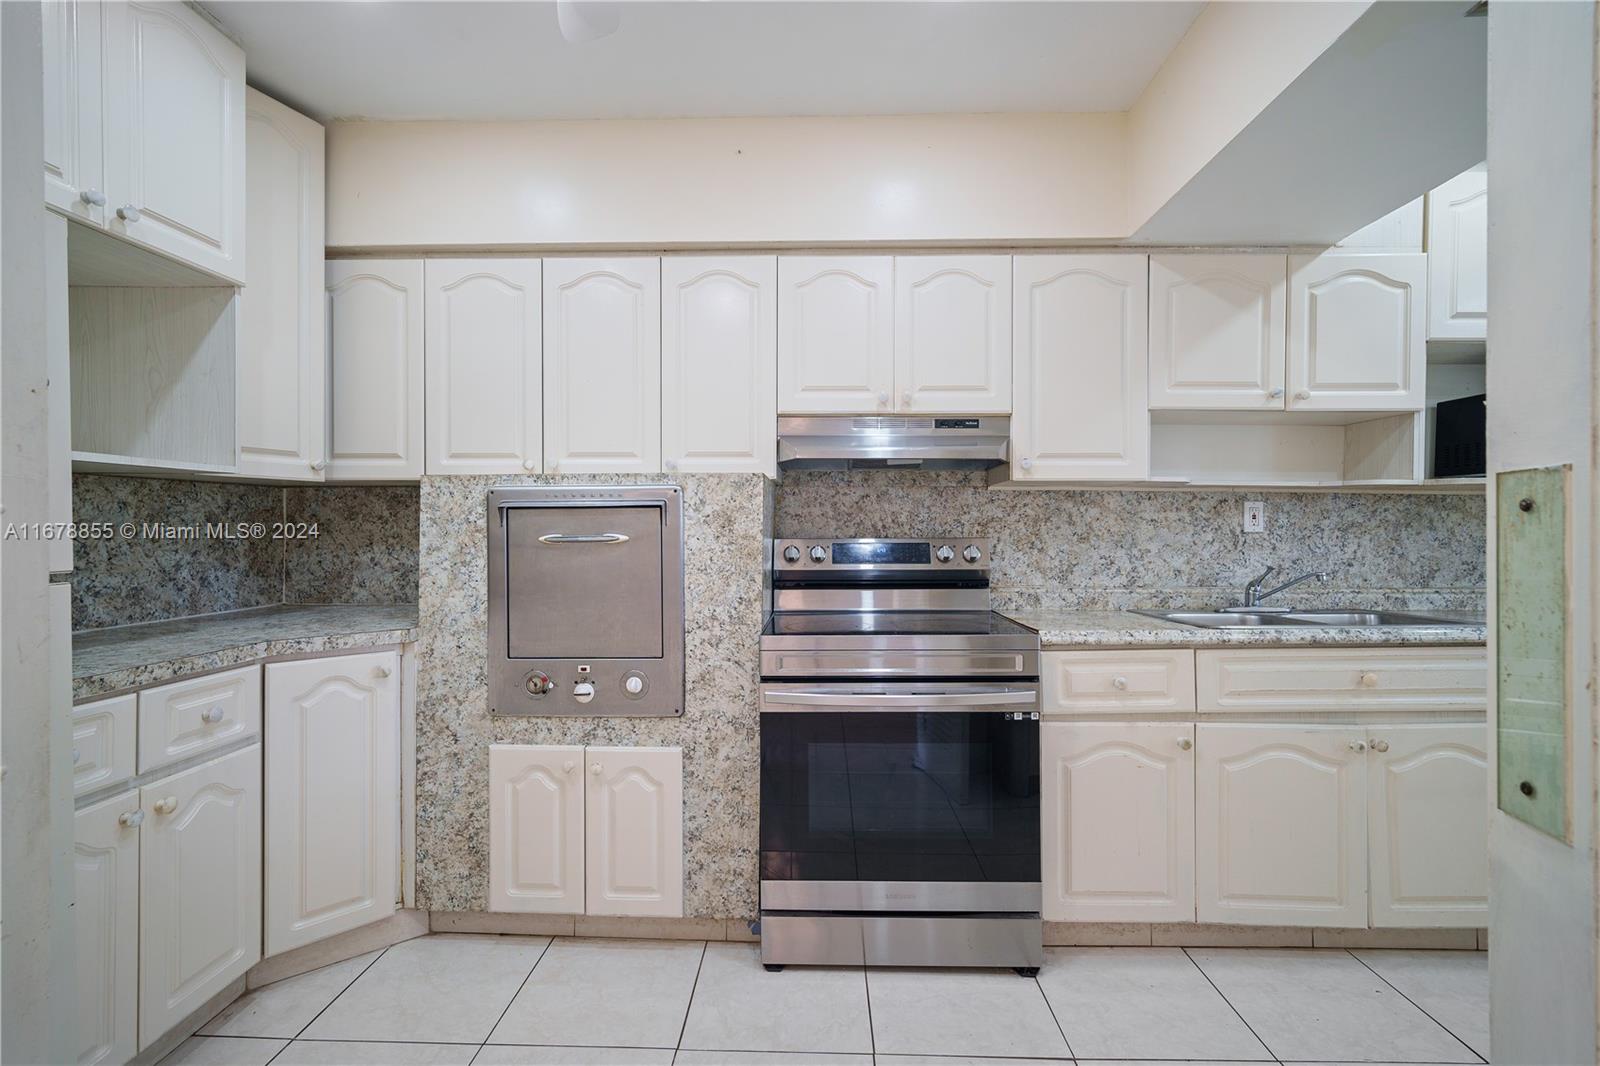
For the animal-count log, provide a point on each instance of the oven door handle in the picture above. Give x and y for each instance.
(993, 698)
(584, 538)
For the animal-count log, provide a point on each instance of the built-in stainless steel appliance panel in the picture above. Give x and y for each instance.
(586, 601)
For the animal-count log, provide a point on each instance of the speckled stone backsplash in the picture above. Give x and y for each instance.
(365, 552)
(1115, 550)
(724, 520)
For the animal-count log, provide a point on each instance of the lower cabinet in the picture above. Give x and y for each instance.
(106, 924)
(1117, 814)
(576, 830)
(199, 886)
(332, 795)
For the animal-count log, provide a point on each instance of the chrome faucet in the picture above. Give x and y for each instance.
(1253, 594)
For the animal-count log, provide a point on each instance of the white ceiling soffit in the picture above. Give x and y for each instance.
(377, 59)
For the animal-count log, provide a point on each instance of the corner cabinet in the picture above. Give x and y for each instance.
(1458, 258)
(602, 365)
(1080, 359)
(576, 830)
(835, 334)
(282, 344)
(952, 334)
(374, 326)
(719, 364)
(1217, 325)
(484, 380)
(1356, 332)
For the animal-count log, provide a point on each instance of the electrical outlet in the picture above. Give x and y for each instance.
(1255, 516)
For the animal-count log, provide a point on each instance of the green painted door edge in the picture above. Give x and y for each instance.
(1531, 721)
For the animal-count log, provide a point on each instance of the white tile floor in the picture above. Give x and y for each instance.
(531, 1001)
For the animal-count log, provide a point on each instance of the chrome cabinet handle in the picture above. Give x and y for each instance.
(93, 197)
(211, 715)
(1380, 745)
(1184, 743)
(130, 819)
(166, 806)
(584, 538)
(129, 213)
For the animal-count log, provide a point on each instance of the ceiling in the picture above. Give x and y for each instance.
(467, 59)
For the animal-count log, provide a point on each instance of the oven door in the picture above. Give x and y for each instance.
(905, 797)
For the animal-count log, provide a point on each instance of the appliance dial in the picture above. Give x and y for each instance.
(634, 684)
(945, 553)
(538, 683)
(583, 691)
(818, 553)
(971, 553)
(791, 554)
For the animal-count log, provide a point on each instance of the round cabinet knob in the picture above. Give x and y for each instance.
(594, 768)
(320, 465)
(1302, 395)
(1184, 743)
(1027, 464)
(971, 553)
(905, 399)
(1380, 745)
(74, 756)
(945, 553)
(130, 819)
(1276, 394)
(883, 399)
(1369, 679)
(538, 683)
(670, 464)
(380, 671)
(568, 766)
(818, 553)
(528, 464)
(1119, 683)
(211, 715)
(166, 806)
(633, 684)
(129, 213)
(1358, 745)
(791, 554)
(93, 197)
(583, 691)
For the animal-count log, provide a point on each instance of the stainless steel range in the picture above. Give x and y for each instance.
(899, 760)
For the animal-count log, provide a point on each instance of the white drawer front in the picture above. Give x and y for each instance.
(102, 743)
(1095, 682)
(1321, 679)
(189, 717)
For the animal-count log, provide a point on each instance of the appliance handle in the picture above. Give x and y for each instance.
(991, 698)
(584, 538)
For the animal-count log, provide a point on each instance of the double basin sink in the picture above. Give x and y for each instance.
(1252, 620)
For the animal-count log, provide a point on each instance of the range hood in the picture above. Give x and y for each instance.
(853, 442)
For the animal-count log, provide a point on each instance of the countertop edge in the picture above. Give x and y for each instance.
(1119, 629)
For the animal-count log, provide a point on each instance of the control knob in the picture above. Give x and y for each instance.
(791, 554)
(945, 553)
(818, 553)
(971, 553)
(539, 683)
(633, 684)
(583, 691)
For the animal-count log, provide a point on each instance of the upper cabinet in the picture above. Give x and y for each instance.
(952, 334)
(281, 344)
(1356, 339)
(484, 384)
(1458, 257)
(719, 364)
(1398, 231)
(1081, 365)
(836, 334)
(1217, 325)
(374, 329)
(602, 365)
(74, 166)
(173, 133)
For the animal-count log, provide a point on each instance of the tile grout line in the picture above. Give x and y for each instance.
(520, 986)
(1231, 1007)
(704, 947)
(381, 953)
(1051, 1007)
(872, 1032)
(1472, 1050)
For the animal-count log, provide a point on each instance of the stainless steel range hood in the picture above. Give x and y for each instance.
(853, 442)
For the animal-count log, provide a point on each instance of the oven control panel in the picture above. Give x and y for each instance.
(600, 684)
(963, 553)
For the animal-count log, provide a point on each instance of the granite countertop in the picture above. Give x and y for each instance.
(1124, 629)
(124, 657)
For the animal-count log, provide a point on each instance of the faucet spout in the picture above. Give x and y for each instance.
(1254, 593)
(1321, 576)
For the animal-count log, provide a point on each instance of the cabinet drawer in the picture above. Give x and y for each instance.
(1094, 682)
(102, 743)
(1265, 679)
(190, 717)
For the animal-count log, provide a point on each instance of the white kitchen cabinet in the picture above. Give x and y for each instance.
(1217, 327)
(836, 333)
(188, 718)
(1458, 257)
(174, 135)
(719, 364)
(484, 375)
(1081, 409)
(1117, 819)
(1099, 681)
(374, 324)
(1398, 231)
(74, 165)
(106, 926)
(332, 751)
(1280, 825)
(952, 334)
(536, 828)
(199, 886)
(58, 394)
(1356, 332)
(602, 365)
(633, 807)
(103, 743)
(1427, 823)
(282, 343)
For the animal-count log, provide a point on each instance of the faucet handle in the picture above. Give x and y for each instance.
(1262, 580)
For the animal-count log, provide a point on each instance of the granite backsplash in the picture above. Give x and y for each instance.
(1094, 549)
(365, 551)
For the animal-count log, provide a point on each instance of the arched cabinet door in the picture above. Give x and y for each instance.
(1117, 818)
(374, 324)
(835, 334)
(105, 858)
(536, 795)
(633, 805)
(1280, 825)
(952, 334)
(1356, 332)
(1217, 332)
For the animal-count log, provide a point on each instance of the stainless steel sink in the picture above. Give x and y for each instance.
(1243, 620)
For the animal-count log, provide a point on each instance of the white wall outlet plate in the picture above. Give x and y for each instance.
(1255, 516)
